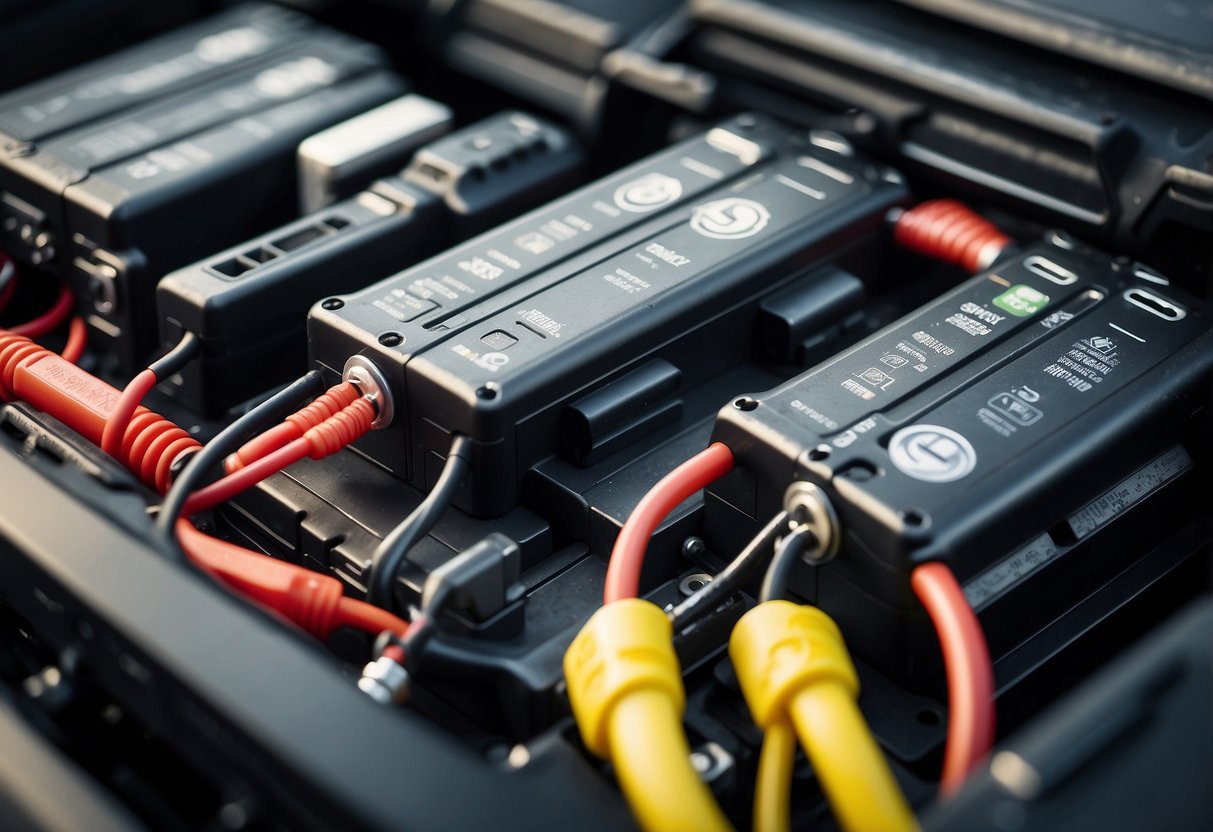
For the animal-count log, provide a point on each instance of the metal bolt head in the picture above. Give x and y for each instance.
(385, 681)
(806, 503)
(373, 384)
(711, 762)
(693, 546)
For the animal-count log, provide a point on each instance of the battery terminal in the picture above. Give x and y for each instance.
(363, 373)
(808, 506)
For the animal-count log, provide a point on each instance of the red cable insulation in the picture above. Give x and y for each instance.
(949, 230)
(372, 619)
(330, 403)
(48, 320)
(627, 557)
(84, 402)
(260, 445)
(313, 601)
(77, 339)
(969, 670)
(228, 487)
(123, 412)
(327, 437)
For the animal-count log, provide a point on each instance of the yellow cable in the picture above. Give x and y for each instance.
(651, 757)
(848, 762)
(625, 686)
(773, 789)
(791, 663)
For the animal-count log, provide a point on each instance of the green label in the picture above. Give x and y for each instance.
(1021, 301)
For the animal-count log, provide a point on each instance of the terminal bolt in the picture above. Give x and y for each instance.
(385, 681)
(807, 505)
(363, 373)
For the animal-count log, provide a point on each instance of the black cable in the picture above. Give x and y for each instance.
(193, 475)
(713, 593)
(390, 554)
(173, 361)
(787, 555)
(8, 272)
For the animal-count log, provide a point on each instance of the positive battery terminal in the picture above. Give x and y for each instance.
(361, 372)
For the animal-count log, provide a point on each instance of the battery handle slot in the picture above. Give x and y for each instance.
(1043, 267)
(1155, 305)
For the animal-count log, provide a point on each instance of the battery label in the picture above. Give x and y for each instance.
(173, 163)
(837, 397)
(1061, 381)
(1129, 491)
(470, 273)
(292, 76)
(1012, 569)
(1032, 556)
(163, 66)
(696, 245)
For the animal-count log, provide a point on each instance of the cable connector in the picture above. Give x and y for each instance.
(951, 231)
(792, 665)
(625, 647)
(780, 648)
(625, 686)
(806, 504)
(314, 602)
(328, 404)
(370, 381)
(478, 589)
(386, 681)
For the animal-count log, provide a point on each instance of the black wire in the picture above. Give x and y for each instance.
(390, 554)
(173, 361)
(9, 274)
(261, 417)
(713, 593)
(787, 555)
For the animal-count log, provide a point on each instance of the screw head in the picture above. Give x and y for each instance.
(693, 546)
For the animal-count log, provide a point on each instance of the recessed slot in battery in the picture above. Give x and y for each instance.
(260, 255)
(1049, 270)
(1155, 305)
(431, 173)
(14, 430)
(232, 268)
(299, 239)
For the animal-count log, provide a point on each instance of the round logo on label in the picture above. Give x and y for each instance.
(932, 453)
(648, 193)
(730, 219)
(495, 359)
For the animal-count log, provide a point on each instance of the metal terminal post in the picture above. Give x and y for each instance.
(385, 681)
(807, 505)
(711, 761)
(361, 372)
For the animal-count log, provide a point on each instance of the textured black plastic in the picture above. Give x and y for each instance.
(266, 713)
(1046, 133)
(249, 303)
(972, 433)
(658, 262)
(1130, 747)
(115, 173)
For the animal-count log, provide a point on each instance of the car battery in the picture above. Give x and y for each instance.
(1011, 428)
(633, 282)
(117, 172)
(249, 304)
